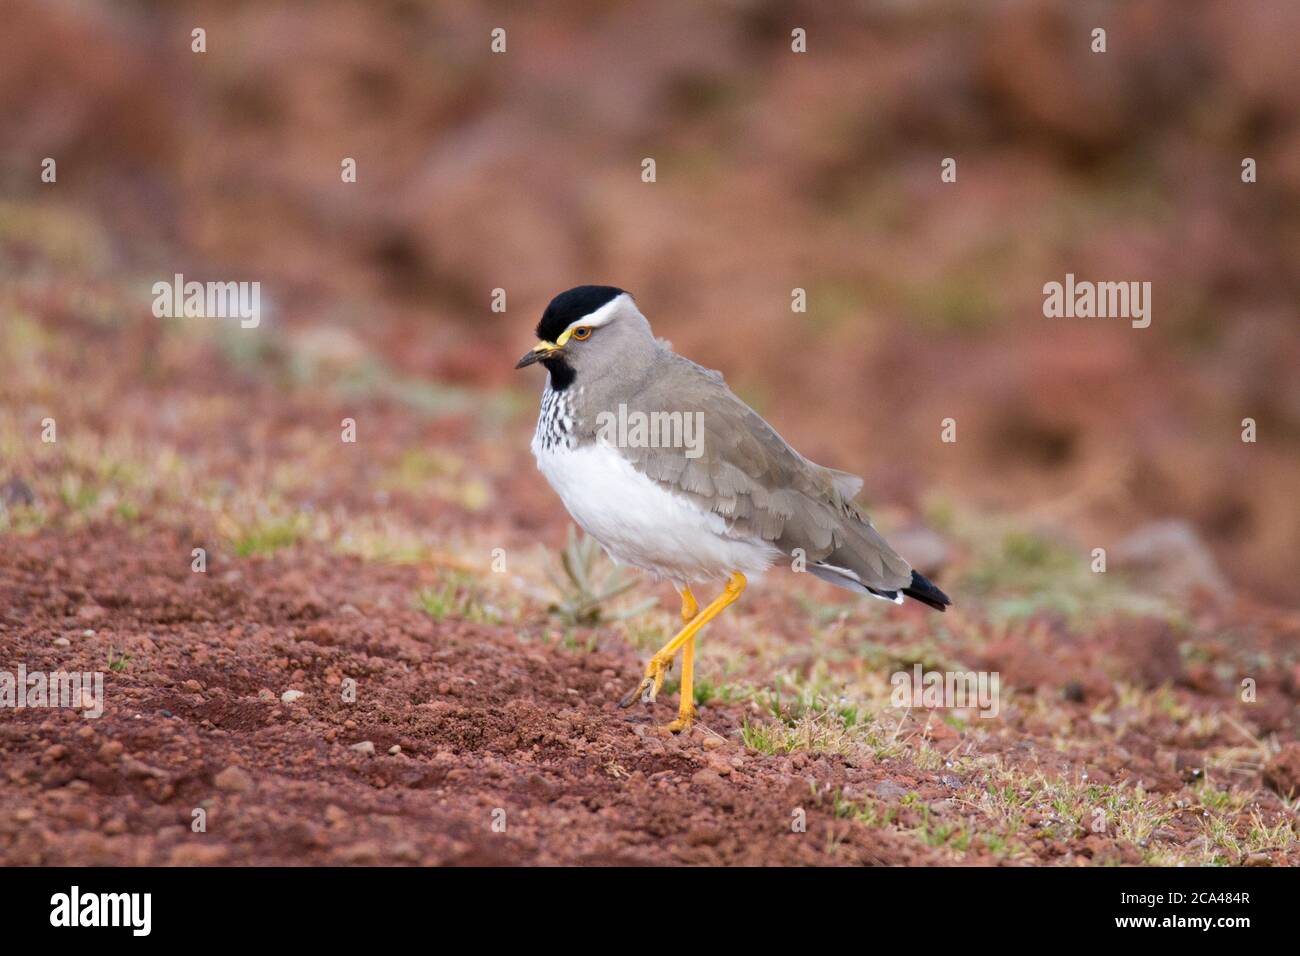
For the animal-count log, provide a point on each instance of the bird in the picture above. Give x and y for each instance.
(659, 461)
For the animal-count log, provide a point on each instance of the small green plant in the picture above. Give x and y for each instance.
(812, 732)
(942, 833)
(269, 533)
(117, 663)
(708, 691)
(586, 586)
(764, 736)
(438, 603)
(586, 643)
(456, 597)
(76, 494)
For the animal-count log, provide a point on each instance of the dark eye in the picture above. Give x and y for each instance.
(581, 333)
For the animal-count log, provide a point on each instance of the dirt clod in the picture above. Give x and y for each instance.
(234, 780)
(1282, 772)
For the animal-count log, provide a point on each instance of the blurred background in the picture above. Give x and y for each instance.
(1162, 694)
(775, 171)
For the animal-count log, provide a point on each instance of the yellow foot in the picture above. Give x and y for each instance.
(651, 684)
(662, 662)
(683, 723)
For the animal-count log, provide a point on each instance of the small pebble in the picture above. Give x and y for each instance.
(233, 779)
(111, 750)
(289, 696)
(365, 747)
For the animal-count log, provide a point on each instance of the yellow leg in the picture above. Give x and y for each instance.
(690, 607)
(663, 659)
(686, 705)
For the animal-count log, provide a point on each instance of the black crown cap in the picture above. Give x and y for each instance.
(567, 307)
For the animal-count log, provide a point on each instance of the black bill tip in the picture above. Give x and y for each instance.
(530, 357)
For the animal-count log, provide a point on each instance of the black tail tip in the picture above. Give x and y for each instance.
(924, 591)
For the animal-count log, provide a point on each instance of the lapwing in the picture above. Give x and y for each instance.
(660, 462)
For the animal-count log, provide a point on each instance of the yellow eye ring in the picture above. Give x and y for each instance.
(582, 332)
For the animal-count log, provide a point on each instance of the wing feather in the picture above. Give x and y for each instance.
(750, 475)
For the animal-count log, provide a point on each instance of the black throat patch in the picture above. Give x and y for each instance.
(561, 372)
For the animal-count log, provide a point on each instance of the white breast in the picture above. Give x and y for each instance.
(641, 523)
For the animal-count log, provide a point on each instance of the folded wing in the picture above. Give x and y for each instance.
(748, 474)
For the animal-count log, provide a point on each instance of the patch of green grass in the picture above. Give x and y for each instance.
(86, 477)
(943, 833)
(379, 540)
(1020, 573)
(940, 514)
(913, 817)
(1260, 837)
(458, 598)
(584, 641)
(117, 662)
(814, 714)
(708, 691)
(1023, 561)
(417, 468)
(812, 732)
(1067, 809)
(875, 813)
(22, 519)
(791, 700)
(998, 845)
(869, 811)
(439, 603)
(767, 737)
(77, 494)
(423, 472)
(1216, 799)
(270, 533)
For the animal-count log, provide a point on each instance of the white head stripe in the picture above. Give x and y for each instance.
(601, 316)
